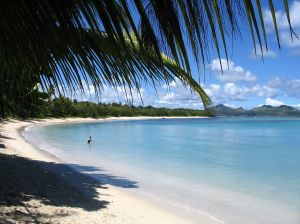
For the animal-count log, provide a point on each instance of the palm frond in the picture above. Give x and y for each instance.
(216, 22)
(67, 42)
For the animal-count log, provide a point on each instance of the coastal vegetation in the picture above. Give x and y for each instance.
(70, 44)
(64, 107)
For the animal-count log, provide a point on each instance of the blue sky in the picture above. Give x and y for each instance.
(249, 81)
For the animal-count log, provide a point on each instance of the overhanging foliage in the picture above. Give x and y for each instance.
(68, 42)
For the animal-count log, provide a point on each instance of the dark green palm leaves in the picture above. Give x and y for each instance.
(67, 43)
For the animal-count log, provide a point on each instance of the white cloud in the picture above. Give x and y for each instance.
(273, 102)
(263, 90)
(122, 95)
(181, 96)
(175, 95)
(233, 92)
(174, 83)
(264, 53)
(283, 26)
(296, 106)
(215, 92)
(109, 94)
(286, 87)
(281, 18)
(231, 72)
(87, 92)
(285, 38)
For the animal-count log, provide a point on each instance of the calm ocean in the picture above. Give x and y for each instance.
(234, 170)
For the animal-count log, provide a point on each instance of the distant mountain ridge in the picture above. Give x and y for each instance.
(265, 110)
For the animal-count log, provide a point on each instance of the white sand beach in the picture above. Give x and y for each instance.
(70, 201)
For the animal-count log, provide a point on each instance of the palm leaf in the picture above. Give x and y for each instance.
(66, 43)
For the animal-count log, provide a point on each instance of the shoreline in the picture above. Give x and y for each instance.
(141, 210)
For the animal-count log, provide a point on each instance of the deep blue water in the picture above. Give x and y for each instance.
(237, 170)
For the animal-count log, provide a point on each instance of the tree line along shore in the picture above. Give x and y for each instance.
(65, 107)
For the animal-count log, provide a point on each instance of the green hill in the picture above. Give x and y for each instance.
(265, 110)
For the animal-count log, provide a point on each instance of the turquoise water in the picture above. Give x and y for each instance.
(232, 170)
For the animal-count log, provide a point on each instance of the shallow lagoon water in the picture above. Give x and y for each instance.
(234, 170)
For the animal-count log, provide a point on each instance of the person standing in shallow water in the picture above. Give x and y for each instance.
(89, 140)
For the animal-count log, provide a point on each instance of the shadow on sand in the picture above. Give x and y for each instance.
(22, 179)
